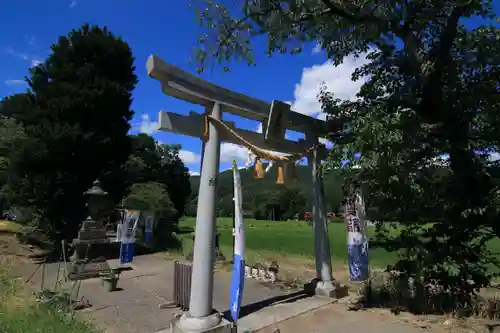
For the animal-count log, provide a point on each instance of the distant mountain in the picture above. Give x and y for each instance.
(259, 194)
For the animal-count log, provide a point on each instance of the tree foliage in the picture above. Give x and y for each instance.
(153, 197)
(159, 163)
(175, 176)
(425, 120)
(71, 127)
(150, 197)
(76, 118)
(11, 137)
(264, 198)
(159, 184)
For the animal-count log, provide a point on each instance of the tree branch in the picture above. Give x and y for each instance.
(440, 55)
(333, 9)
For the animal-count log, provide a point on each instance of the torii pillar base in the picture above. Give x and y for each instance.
(210, 324)
(330, 289)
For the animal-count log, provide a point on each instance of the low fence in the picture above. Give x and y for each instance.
(182, 284)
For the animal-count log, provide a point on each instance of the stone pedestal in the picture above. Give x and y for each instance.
(330, 289)
(210, 324)
(90, 247)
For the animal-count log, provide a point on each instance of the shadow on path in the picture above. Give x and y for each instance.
(254, 307)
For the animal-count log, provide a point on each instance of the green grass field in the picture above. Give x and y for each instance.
(287, 238)
(294, 238)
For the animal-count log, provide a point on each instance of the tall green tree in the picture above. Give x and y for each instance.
(153, 197)
(76, 122)
(11, 137)
(153, 162)
(175, 176)
(144, 162)
(432, 90)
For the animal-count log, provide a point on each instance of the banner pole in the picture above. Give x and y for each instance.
(238, 278)
(234, 223)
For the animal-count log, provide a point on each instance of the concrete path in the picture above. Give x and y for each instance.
(265, 309)
(135, 307)
(336, 318)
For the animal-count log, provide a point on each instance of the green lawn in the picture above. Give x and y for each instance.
(294, 238)
(288, 238)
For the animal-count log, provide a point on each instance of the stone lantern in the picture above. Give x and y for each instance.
(97, 201)
(91, 245)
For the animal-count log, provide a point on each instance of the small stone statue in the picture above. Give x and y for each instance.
(248, 271)
(255, 272)
(273, 271)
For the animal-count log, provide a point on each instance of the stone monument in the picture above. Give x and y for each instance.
(90, 245)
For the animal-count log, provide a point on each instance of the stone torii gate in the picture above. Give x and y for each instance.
(180, 84)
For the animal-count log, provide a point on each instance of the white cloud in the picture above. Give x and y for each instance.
(337, 80)
(317, 49)
(73, 4)
(35, 62)
(148, 126)
(259, 128)
(230, 152)
(194, 173)
(188, 157)
(13, 82)
(328, 144)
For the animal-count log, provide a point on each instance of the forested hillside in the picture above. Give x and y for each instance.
(261, 197)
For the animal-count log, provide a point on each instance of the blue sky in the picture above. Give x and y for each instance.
(167, 29)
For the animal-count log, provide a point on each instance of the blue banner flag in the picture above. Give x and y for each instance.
(357, 240)
(127, 232)
(238, 279)
(148, 228)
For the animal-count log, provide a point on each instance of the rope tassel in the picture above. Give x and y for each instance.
(280, 179)
(258, 169)
(291, 172)
(206, 126)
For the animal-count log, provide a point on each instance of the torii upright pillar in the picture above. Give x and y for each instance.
(200, 315)
(324, 284)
